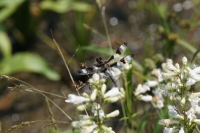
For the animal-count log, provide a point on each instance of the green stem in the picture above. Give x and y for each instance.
(106, 28)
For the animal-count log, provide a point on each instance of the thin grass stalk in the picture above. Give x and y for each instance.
(51, 114)
(165, 24)
(66, 65)
(36, 90)
(106, 27)
(29, 123)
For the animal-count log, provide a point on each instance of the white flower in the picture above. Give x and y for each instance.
(78, 124)
(173, 113)
(146, 98)
(141, 89)
(76, 99)
(113, 93)
(196, 94)
(169, 61)
(81, 107)
(167, 122)
(85, 117)
(164, 65)
(168, 75)
(107, 129)
(158, 97)
(158, 74)
(103, 88)
(93, 95)
(197, 121)
(165, 87)
(194, 100)
(184, 60)
(196, 70)
(112, 99)
(171, 67)
(190, 115)
(97, 111)
(160, 104)
(113, 114)
(97, 78)
(193, 74)
(168, 130)
(88, 129)
(183, 100)
(196, 108)
(181, 130)
(190, 82)
(151, 83)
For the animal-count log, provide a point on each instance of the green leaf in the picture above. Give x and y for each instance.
(5, 44)
(9, 9)
(62, 6)
(81, 6)
(27, 62)
(98, 49)
(9, 2)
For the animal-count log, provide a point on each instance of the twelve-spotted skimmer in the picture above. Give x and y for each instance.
(103, 67)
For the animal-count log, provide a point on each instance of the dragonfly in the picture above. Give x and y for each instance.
(104, 67)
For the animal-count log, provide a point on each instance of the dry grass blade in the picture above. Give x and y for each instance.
(51, 114)
(72, 79)
(20, 126)
(19, 88)
(63, 59)
(36, 90)
(73, 55)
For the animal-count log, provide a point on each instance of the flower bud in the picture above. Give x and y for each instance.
(113, 114)
(112, 99)
(93, 95)
(146, 98)
(78, 124)
(81, 107)
(103, 88)
(184, 60)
